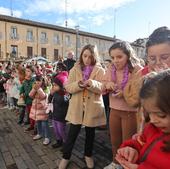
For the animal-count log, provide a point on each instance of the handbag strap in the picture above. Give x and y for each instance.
(149, 148)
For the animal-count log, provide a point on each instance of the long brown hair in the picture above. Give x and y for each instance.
(127, 49)
(94, 54)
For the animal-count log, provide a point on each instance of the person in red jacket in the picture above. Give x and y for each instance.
(151, 150)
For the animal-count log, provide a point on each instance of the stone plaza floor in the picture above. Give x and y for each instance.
(19, 151)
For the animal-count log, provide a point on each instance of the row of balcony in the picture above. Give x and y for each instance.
(68, 43)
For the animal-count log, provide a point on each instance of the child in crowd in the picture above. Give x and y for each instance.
(2, 89)
(24, 92)
(86, 104)
(60, 100)
(8, 87)
(21, 78)
(122, 120)
(15, 88)
(2, 81)
(38, 109)
(151, 149)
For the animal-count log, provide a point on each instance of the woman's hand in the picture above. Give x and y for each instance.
(81, 84)
(88, 83)
(126, 164)
(128, 153)
(118, 93)
(110, 86)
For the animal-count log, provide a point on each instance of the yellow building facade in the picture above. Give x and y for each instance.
(20, 39)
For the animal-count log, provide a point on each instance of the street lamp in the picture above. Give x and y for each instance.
(115, 10)
(77, 33)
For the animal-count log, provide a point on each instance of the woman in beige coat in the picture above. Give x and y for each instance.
(86, 104)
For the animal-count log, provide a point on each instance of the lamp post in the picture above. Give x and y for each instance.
(77, 33)
(115, 10)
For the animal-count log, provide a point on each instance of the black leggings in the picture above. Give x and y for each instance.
(71, 139)
(15, 101)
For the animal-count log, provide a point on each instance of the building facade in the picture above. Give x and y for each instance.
(139, 47)
(21, 39)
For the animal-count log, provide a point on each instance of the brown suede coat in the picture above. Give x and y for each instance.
(92, 113)
(132, 88)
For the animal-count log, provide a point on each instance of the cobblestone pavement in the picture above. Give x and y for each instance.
(19, 151)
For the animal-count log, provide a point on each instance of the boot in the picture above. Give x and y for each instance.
(63, 164)
(89, 162)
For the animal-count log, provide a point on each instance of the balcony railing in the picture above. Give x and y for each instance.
(30, 39)
(43, 40)
(56, 42)
(14, 36)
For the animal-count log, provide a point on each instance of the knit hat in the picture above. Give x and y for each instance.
(61, 78)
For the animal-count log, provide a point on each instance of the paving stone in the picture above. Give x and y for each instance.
(3, 147)
(14, 151)
(38, 150)
(31, 164)
(20, 163)
(78, 161)
(72, 165)
(2, 162)
(51, 164)
(37, 159)
(12, 166)
(49, 154)
(8, 158)
(28, 148)
(43, 166)
(19, 151)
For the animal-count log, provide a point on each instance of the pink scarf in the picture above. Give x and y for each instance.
(86, 72)
(125, 76)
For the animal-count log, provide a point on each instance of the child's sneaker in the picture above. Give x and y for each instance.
(37, 137)
(46, 141)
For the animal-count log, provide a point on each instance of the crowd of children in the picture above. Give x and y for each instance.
(28, 89)
(81, 95)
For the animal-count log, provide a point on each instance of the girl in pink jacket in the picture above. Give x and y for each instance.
(38, 110)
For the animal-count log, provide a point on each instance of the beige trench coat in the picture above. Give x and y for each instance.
(92, 114)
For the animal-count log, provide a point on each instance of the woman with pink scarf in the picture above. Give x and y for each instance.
(86, 104)
(122, 120)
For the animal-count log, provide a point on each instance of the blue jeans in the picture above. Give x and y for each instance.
(43, 128)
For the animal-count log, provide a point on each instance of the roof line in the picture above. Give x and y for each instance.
(53, 27)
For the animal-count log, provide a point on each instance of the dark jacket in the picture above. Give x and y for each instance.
(69, 63)
(60, 105)
(2, 81)
(25, 89)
